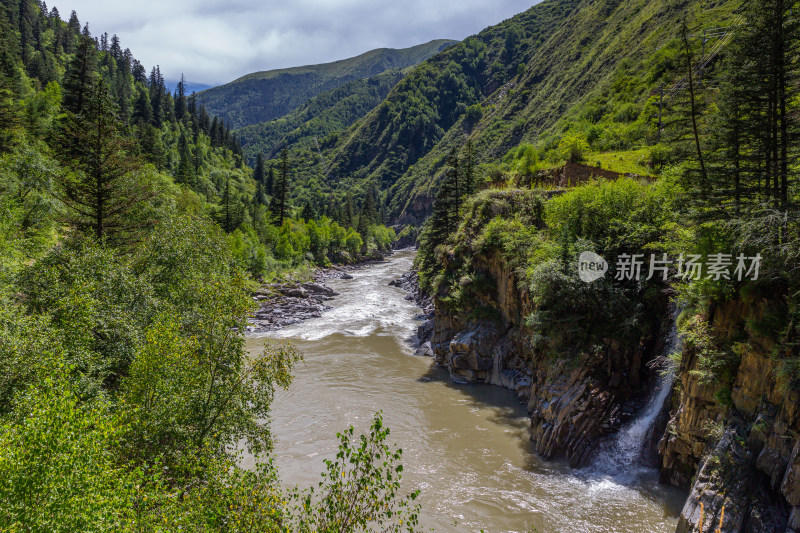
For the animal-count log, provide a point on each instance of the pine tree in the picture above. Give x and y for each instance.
(181, 109)
(279, 200)
(81, 76)
(469, 168)
(142, 108)
(308, 213)
(186, 166)
(258, 172)
(453, 175)
(151, 145)
(257, 202)
(349, 212)
(99, 185)
(443, 220)
(9, 116)
(269, 184)
(754, 139)
(157, 99)
(225, 215)
(368, 213)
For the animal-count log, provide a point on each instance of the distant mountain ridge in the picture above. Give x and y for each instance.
(314, 122)
(590, 67)
(264, 96)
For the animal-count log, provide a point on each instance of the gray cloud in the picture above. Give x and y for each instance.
(215, 41)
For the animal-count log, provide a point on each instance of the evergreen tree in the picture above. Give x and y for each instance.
(469, 168)
(754, 139)
(257, 202)
(186, 165)
(279, 199)
(269, 184)
(151, 145)
(99, 185)
(81, 76)
(157, 97)
(181, 109)
(368, 213)
(9, 116)
(258, 172)
(142, 108)
(226, 214)
(308, 213)
(443, 220)
(453, 176)
(349, 211)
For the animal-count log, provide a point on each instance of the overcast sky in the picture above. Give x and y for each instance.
(215, 41)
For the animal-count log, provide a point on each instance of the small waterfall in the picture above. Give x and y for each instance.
(623, 453)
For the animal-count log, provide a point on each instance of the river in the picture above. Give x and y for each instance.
(465, 446)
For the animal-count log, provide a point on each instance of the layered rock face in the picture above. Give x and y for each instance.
(743, 447)
(734, 440)
(573, 400)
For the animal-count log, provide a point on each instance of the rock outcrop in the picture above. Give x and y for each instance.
(574, 400)
(285, 303)
(736, 443)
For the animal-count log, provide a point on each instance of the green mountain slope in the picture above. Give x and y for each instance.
(595, 78)
(264, 96)
(564, 67)
(323, 115)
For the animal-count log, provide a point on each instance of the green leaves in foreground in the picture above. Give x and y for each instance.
(360, 489)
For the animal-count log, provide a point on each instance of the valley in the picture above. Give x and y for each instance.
(540, 278)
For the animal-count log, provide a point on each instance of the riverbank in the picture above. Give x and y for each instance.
(287, 302)
(466, 446)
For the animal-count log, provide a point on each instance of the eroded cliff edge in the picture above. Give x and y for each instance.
(734, 434)
(730, 431)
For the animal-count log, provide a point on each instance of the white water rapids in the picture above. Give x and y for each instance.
(465, 446)
(622, 456)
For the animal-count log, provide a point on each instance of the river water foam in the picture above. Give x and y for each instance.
(465, 446)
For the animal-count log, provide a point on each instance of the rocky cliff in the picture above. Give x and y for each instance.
(574, 398)
(735, 441)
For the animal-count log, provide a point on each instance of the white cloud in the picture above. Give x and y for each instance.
(215, 41)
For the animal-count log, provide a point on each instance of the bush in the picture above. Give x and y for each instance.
(573, 148)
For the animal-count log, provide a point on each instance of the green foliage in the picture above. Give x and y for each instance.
(715, 365)
(126, 390)
(589, 87)
(360, 490)
(319, 120)
(265, 96)
(540, 240)
(57, 468)
(573, 148)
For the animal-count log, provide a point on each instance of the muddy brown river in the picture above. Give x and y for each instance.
(465, 447)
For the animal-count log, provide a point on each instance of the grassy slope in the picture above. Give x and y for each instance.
(323, 115)
(577, 65)
(604, 58)
(427, 103)
(264, 96)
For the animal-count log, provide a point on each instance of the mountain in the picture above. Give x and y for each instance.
(264, 96)
(328, 113)
(563, 67)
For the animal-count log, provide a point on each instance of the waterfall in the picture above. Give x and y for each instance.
(623, 453)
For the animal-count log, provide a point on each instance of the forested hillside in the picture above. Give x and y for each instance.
(132, 236)
(716, 236)
(563, 74)
(311, 125)
(264, 96)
